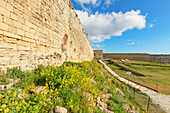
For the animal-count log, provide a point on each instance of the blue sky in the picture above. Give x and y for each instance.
(126, 26)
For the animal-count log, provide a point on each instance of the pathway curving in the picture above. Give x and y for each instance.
(161, 99)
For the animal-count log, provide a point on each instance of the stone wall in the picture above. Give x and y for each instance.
(34, 32)
(138, 57)
(98, 54)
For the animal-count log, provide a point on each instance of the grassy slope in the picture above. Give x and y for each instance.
(159, 76)
(69, 82)
(150, 63)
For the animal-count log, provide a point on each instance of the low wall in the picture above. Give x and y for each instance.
(98, 54)
(139, 57)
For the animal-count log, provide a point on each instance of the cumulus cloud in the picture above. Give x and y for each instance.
(97, 45)
(101, 26)
(95, 3)
(86, 1)
(132, 43)
(108, 2)
(151, 25)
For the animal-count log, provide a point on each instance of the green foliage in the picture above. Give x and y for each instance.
(73, 82)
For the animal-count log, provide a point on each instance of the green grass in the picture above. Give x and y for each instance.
(150, 63)
(156, 77)
(69, 81)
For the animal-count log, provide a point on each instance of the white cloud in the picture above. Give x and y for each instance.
(151, 25)
(130, 40)
(102, 26)
(97, 45)
(108, 2)
(86, 1)
(94, 2)
(132, 43)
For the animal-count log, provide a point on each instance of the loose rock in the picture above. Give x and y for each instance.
(39, 89)
(59, 109)
(118, 91)
(109, 96)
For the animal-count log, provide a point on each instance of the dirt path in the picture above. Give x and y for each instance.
(161, 99)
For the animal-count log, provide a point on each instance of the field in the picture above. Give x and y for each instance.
(74, 86)
(157, 75)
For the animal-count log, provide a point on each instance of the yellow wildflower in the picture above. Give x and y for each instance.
(23, 101)
(0, 109)
(15, 94)
(1, 96)
(6, 110)
(71, 106)
(16, 107)
(16, 103)
(23, 93)
(8, 92)
(51, 90)
(45, 93)
(3, 106)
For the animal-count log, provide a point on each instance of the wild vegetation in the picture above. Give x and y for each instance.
(70, 86)
(157, 74)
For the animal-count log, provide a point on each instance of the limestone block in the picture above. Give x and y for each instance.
(7, 45)
(3, 26)
(17, 24)
(20, 32)
(20, 19)
(3, 3)
(24, 57)
(29, 35)
(13, 16)
(4, 61)
(4, 12)
(3, 52)
(23, 53)
(12, 29)
(23, 62)
(13, 54)
(14, 61)
(9, 7)
(8, 34)
(1, 18)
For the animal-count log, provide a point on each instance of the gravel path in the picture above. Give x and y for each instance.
(161, 99)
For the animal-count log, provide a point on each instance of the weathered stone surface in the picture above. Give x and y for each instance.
(138, 57)
(118, 91)
(109, 96)
(22, 96)
(52, 29)
(39, 89)
(102, 105)
(5, 87)
(59, 109)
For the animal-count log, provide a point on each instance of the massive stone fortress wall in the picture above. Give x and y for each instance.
(139, 57)
(34, 32)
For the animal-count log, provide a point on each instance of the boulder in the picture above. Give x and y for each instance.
(109, 96)
(88, 96)
(104, 90)
(22, 96)
(39, 89)
(59, 109)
